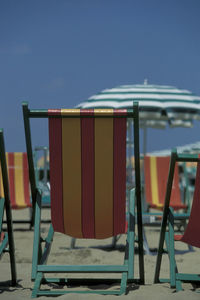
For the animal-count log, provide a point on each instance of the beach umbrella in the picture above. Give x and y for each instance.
(193, 148)
(159, 105)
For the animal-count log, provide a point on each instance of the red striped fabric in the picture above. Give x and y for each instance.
(18, 176)
(163, 170)
(162, 173)
(88, 212)
(191, 234)
(55, 145)
(160, 183)
(87, 175)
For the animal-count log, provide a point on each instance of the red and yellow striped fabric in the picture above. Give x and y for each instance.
(18, 176)
(88, 172)
(191, 234)
(156, 174)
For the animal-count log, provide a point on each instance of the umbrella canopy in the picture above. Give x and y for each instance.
(193, 148)
(158, 104)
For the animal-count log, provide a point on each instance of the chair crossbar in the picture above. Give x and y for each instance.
(61, 292)
(83, 268)
(188, 277)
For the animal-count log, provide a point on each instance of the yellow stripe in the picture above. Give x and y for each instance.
(154, 181)
(103, 177)
(73, 112)
(100, 111)
(19, 180)
(71, 153)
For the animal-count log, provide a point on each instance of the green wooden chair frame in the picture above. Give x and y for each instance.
(167, 232)
(7, 240)
(39, 267)
(179, 203)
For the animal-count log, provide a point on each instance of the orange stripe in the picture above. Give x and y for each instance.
(71, 149)
(19, 180)
(103, 177)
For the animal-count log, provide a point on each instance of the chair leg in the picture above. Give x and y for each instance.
(11, 248)
(146, 246)
(37, 284)
(47, 247)
(73, 243)
(114, 241)
(37, 238)
(131, 236)
(171, 251)
(123, 283)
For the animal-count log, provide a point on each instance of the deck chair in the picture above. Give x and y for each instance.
(6, 238)
(156, 173)
(190, 235)
(18, 176)
(156, 169)
(88, 191)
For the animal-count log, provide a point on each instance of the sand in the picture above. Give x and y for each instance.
(97, 252)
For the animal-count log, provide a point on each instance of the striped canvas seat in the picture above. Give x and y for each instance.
(191, 234)
(156, 171)
(18, 175)
(88, 174)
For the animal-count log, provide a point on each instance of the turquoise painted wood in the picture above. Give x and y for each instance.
(4, 244)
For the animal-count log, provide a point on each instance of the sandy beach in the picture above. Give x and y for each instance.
(96, 252)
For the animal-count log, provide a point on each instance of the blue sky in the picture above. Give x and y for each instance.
(57, 53)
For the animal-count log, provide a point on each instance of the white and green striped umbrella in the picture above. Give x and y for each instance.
(158, 104)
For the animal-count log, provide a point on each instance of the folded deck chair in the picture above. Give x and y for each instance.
(6, 238)
(190, 236)
(18, 177)
(88, 191)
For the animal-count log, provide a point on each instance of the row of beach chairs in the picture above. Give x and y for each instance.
(89, 197)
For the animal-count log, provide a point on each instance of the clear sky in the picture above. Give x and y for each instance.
(57, 53)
